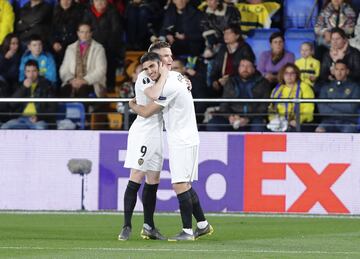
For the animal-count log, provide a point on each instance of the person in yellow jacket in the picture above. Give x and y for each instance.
(256, 14)
(290, 87)
(308, 65)
(7, 18)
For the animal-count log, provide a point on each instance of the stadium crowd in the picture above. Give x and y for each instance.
(76, 48)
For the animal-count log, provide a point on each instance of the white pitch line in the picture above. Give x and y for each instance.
(114, 249)
(229, 214)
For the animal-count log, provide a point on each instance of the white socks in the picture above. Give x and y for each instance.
(188, 231)
(202, 224)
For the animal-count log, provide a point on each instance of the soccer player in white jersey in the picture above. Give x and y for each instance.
(144, 150)
(177, 107)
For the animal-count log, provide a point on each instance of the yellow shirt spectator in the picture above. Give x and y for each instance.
(288, 110)
(309, 67)
(7, 19)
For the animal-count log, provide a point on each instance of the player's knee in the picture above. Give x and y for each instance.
(136, 176)
(153, 177)
(181, 187)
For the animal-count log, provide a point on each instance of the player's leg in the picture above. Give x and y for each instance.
(149, 230)
(149, 197)
(203, 227)
(185, 205)
(130, 198)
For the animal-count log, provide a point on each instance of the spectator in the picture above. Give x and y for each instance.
(270, 62)
(227, 59)
(127, 88)
(7, 18)
(339, 117)
(83, 71)
(107, 30)
(181, 28)
(248, 83)
(290, 87)
(308, 65)
(46, 63)
(335, 14)
(256, 14)
(142, 18)
(340, 49)
(355, 42)
(218, 15)
(10, 54)
(32, 113)
(34, 18)
(67, 15)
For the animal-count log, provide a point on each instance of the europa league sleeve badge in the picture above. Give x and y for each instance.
(140, 161)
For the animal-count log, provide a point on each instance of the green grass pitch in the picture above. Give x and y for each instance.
(94, 235)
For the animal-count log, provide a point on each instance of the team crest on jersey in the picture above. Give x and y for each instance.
(146, 80)
(140, 161)
(347, 91)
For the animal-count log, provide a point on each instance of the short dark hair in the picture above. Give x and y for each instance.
(158, 45)
(35, 37)
(339, 31)
(84, 23)
(150, 56)
(247, 59)
(234, 27)
(342, 61)
(32, 63)
(277, 35)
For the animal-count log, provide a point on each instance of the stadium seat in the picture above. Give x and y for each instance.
(293, 45)
(72, 111)
(296, 33)
(300, 13)
(258, 46)
(262, 33)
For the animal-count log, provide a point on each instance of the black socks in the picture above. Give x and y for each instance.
(186, 208)
(197, 210)
(149, 203)
(130, 201)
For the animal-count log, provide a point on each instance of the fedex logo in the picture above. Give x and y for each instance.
(244, 175)
(317, 184)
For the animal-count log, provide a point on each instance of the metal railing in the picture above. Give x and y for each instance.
(126, 121)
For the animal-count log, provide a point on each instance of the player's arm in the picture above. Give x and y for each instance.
(153, 92)
(144, 111)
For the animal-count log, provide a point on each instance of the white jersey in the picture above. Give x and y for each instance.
(153, 124)
(178, 112)
(144, 146)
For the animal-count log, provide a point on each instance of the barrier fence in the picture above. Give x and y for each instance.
(124, 109)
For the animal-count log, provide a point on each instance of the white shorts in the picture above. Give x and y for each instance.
(184, 164)
(144, 153)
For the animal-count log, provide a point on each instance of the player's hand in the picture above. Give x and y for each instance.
(163, 70)
(132, 103)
